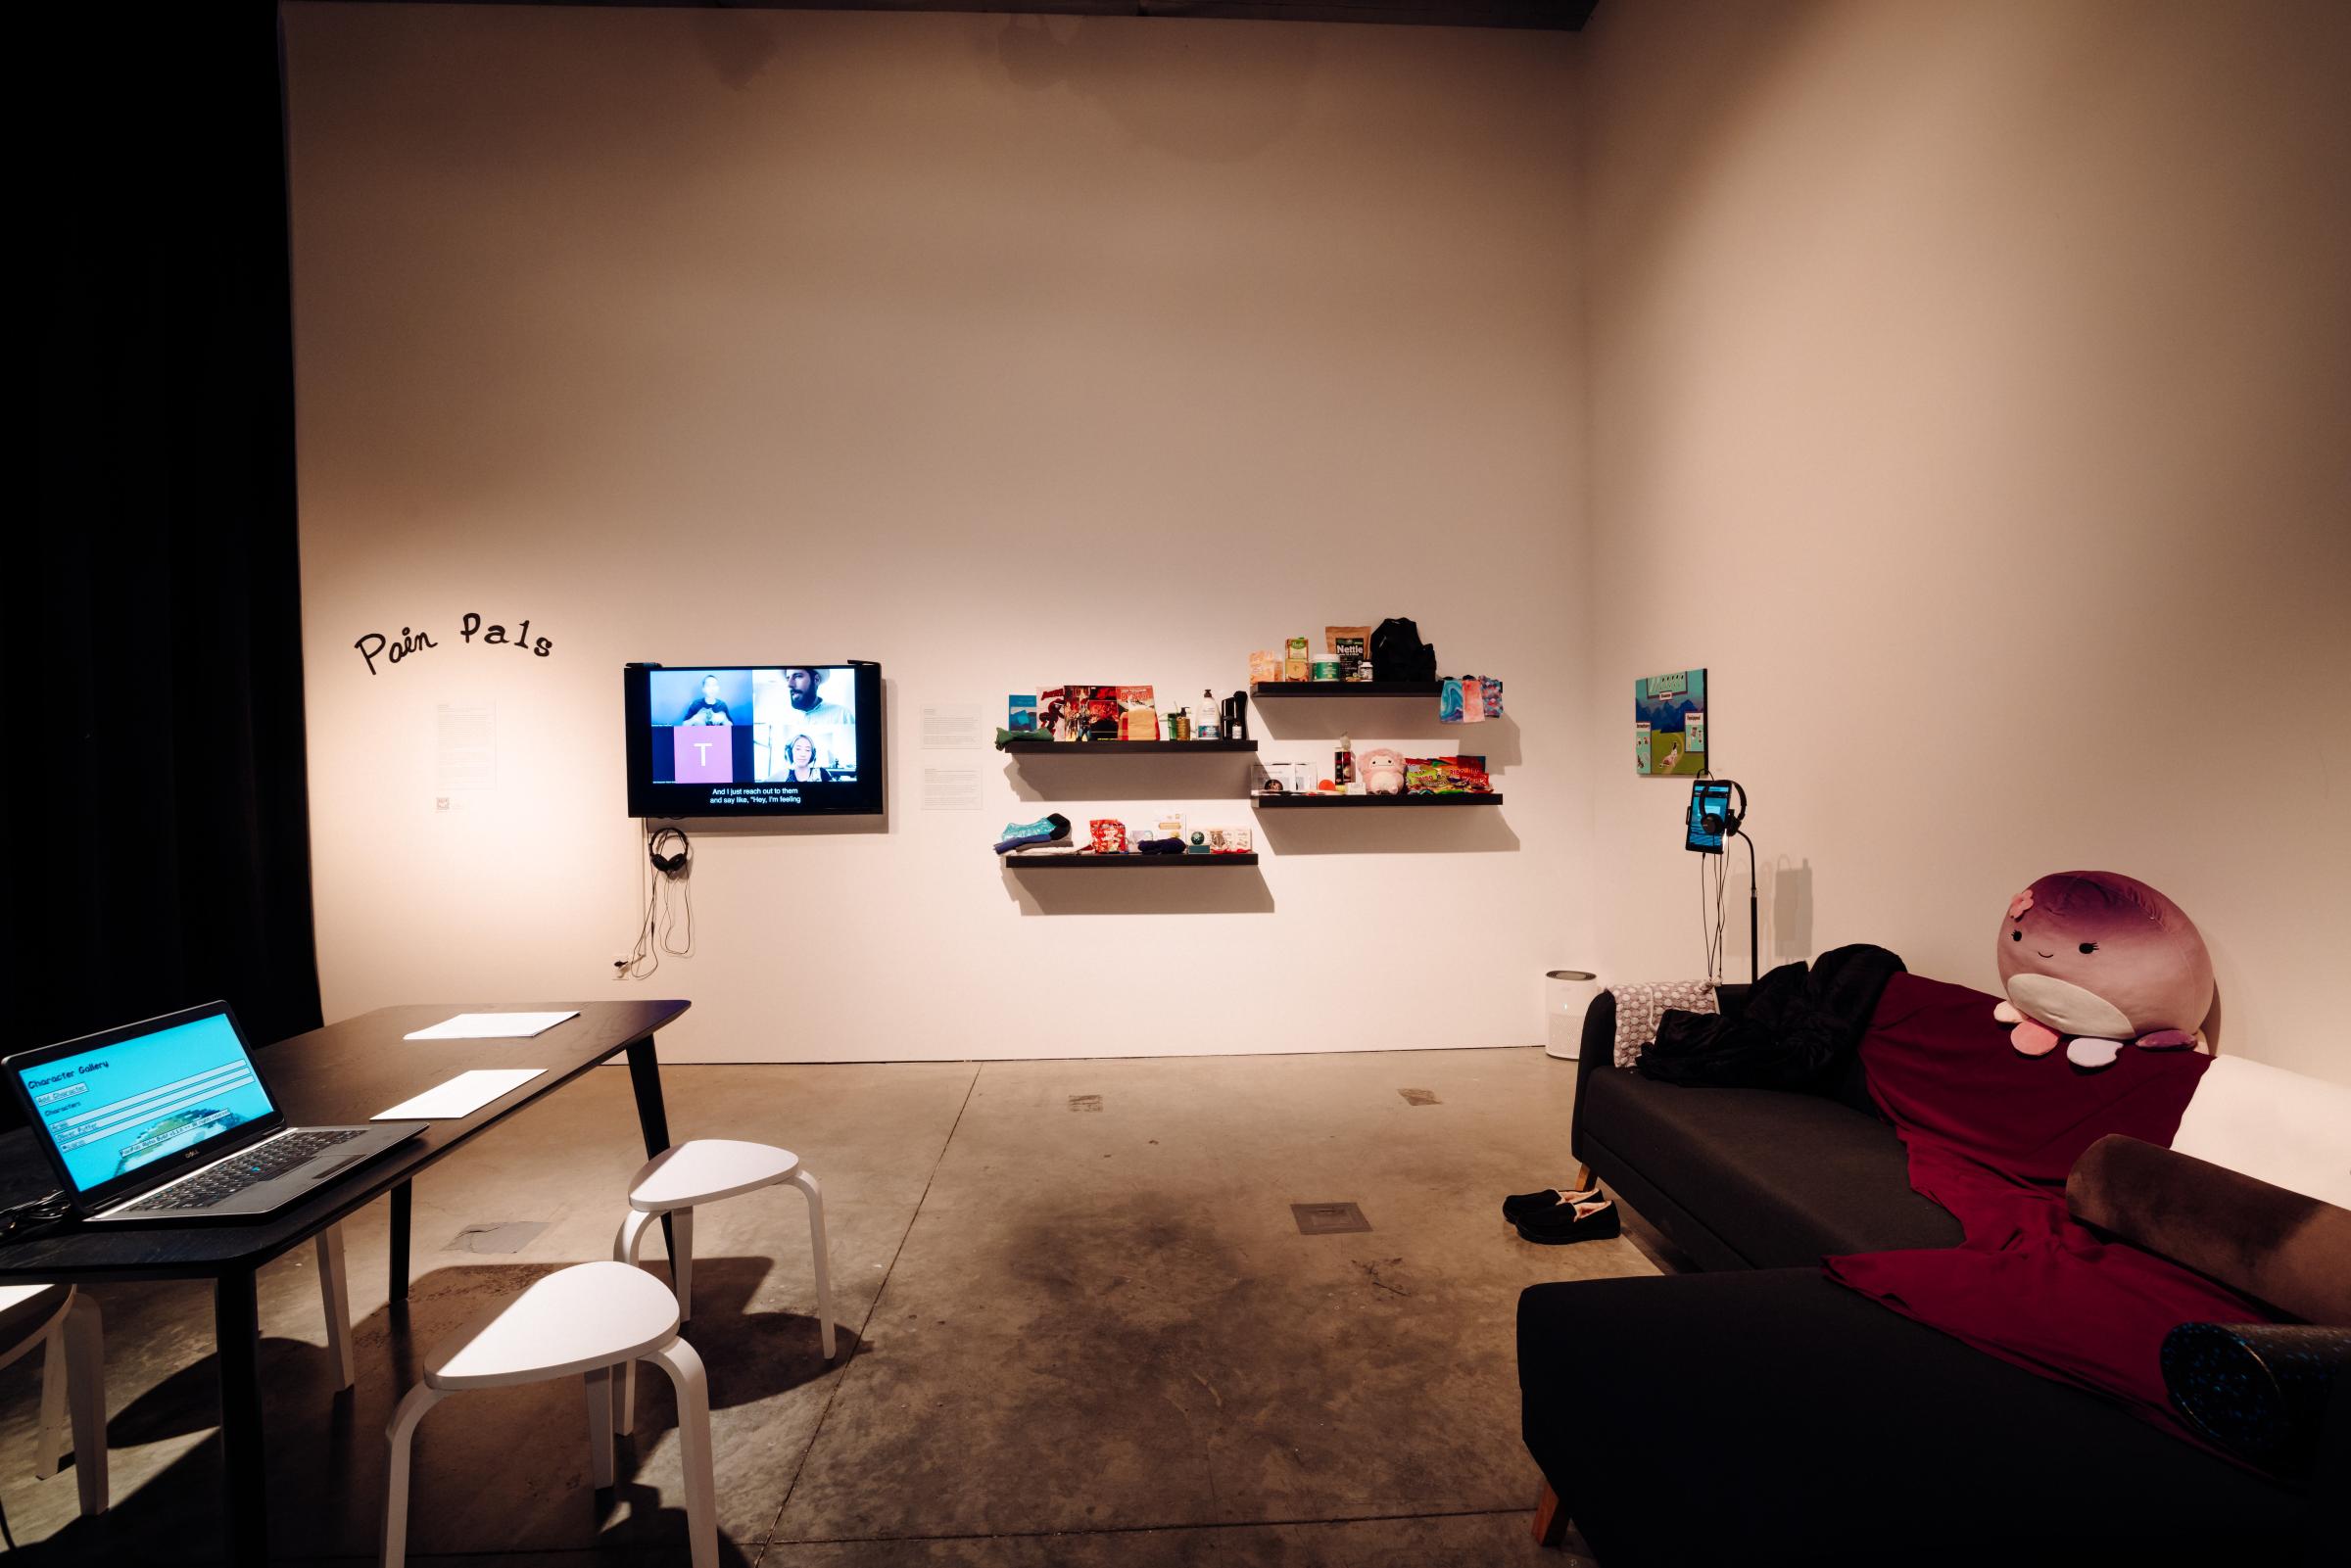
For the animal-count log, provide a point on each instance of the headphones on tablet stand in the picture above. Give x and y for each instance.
(1713, 819)
(1725, 820)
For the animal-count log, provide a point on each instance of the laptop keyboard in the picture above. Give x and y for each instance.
(274, 1159)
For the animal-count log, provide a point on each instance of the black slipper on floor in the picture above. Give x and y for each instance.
(1520, 1204)
(1550, 1230)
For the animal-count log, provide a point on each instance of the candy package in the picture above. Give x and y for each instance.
(1466, 774)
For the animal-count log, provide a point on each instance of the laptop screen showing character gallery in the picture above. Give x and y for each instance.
(116, 1106)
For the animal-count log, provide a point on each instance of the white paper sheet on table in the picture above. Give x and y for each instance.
(492, 1027)
(459, 1097)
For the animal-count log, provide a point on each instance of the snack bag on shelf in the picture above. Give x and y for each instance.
(1466, 774)
(1353, 645)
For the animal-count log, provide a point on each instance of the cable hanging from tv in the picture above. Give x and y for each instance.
(669, 864)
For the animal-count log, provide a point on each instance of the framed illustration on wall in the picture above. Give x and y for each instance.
(1669, 723)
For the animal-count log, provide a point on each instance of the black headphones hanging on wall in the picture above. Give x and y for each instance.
(670, 865)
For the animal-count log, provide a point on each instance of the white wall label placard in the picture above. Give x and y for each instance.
(952, 727)
(950, 789)
(468, 745)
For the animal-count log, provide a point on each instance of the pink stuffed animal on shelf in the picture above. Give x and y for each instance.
(1382, 771)
(2100, 960)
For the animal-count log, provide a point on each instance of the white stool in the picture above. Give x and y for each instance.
(67, 1322)
(589, 1318)
(702, 1171)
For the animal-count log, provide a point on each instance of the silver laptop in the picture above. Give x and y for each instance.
(170, 1120)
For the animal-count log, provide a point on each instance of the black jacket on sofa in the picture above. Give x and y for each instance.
(1760, 1414)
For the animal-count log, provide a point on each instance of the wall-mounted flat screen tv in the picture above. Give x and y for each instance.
(753, 740)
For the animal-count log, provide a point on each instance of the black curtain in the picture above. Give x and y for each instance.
(154, 632)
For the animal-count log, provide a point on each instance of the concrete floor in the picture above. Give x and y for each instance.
(1068, 1336)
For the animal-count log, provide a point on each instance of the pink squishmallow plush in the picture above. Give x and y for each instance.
(1382, 771)
(2106, 960)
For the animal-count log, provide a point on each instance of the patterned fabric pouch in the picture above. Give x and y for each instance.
(1640, 1006)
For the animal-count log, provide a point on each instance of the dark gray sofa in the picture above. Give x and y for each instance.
(1757, 1414)
(1747, 1178)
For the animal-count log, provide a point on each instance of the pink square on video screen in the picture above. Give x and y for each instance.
(705, 753)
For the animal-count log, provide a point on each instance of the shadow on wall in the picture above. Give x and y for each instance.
(1404, 830)
(1252, 76)
(737, 47)
(777, 826)
(1790, 911)
(1299, 722)
(1139, 890)
(1060, 774)
(1213, 94)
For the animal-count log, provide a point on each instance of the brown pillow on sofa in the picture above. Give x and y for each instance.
(2287, 1249)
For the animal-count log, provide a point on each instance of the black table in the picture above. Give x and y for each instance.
(341, 1074)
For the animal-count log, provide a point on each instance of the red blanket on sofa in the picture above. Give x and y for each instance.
(1992, 1134)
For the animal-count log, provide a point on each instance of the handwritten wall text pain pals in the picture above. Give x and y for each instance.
(392, 650)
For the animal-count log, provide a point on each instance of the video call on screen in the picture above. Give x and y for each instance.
(783, 725)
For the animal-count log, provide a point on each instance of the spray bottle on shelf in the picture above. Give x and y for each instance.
(1342, 764)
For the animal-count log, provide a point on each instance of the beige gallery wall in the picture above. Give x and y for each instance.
(1003, 352)
(1971, 393)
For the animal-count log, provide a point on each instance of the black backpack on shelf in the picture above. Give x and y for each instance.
(1399, 654)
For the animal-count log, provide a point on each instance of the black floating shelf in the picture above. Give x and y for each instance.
(1319, 801)
(1118, 749)
(1345, 688)
(1117, 862)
